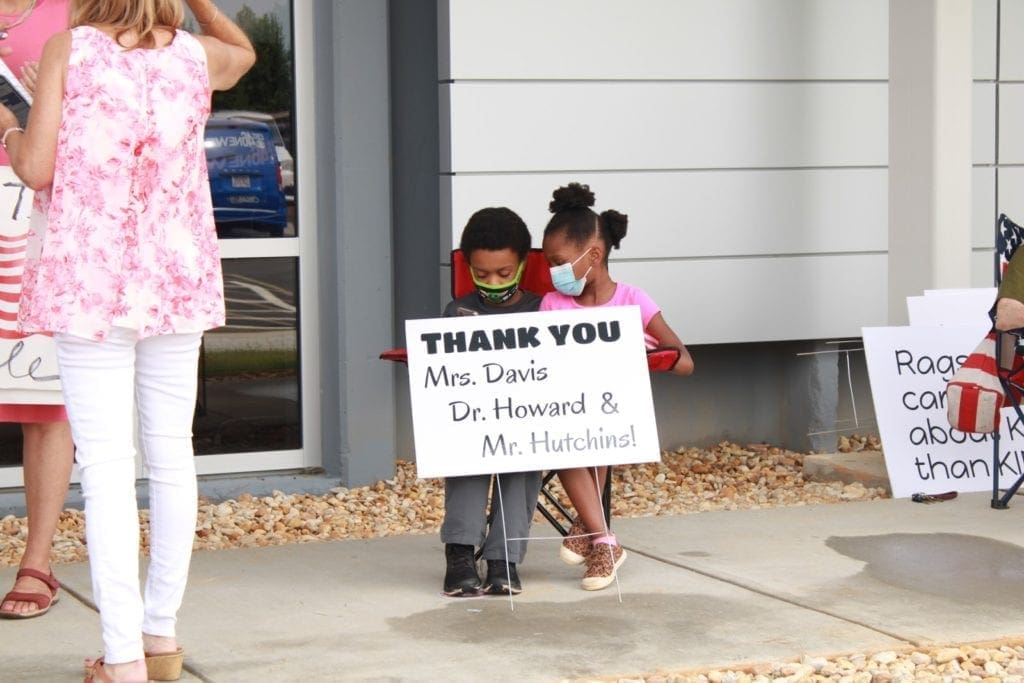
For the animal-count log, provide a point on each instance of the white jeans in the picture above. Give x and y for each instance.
(102, 382)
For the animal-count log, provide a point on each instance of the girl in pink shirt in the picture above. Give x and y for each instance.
(576, 243)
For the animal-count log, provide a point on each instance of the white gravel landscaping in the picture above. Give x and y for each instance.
(687, 480)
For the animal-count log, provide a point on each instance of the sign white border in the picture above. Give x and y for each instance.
(530, 391)
(952, 307)
(28, 365)
(908, 368)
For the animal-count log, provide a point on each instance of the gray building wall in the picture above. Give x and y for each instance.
(740, 392)
(756, 392)
(356, 250)
(376, 119)
(415, 165)
(791, 394)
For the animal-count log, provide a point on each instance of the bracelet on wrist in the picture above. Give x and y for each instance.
(216, 13)
(12, 129)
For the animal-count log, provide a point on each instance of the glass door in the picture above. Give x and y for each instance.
(254, 407)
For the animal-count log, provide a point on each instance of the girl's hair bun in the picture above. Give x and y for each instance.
(615, 223)
(570, 197)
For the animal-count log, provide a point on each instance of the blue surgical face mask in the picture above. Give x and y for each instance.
(565, 280)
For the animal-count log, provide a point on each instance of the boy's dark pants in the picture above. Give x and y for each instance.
(465, 513)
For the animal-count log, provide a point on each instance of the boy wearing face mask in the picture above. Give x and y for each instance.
(495, 244)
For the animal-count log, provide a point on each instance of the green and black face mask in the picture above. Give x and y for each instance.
(499, 294)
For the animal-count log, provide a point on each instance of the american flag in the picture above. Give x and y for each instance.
(1009, 236)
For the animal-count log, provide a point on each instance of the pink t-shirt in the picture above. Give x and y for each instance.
(625, 295)
(27, 39)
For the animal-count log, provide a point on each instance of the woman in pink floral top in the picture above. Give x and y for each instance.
(126, 274)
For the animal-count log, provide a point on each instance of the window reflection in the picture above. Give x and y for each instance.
(254, 187)
(249, 369)
(248, 397)
(249, 373)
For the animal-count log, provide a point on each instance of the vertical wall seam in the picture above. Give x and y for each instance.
(995, 185)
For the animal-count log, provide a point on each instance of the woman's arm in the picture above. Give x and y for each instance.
(1009, 314)
(34, 152)
(659, 329)
(229, 54)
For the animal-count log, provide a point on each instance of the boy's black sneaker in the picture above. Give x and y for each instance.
(499, 582)
(460, 578)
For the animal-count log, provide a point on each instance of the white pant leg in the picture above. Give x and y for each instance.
(97, 380)
(165, 386)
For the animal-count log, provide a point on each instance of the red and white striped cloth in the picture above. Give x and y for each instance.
(974, 395)
(12, 263)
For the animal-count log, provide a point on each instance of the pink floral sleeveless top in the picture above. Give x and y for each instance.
(129, 238)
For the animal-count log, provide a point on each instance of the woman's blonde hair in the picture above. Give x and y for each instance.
(141, 16)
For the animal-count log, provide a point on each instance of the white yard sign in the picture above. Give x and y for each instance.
(949, 307)
(530, 391)
(28, 365)
(908, 368)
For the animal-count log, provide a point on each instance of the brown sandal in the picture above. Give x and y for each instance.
(165, 666)
(43, 602)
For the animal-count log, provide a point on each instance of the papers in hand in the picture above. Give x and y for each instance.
(13, 94)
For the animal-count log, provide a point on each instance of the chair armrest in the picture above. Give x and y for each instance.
(396, 355)
(662, 358)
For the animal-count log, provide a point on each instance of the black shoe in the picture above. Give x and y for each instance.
(500, 583)
(460, 578)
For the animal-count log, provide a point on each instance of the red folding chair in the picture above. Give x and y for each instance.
(537, 279)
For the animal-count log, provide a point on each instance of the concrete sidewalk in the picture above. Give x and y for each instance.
(701, 590)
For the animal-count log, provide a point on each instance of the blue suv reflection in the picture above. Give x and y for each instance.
(245, 178)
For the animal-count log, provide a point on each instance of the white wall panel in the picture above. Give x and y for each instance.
(983, 38)
(982, 268)
(714, 213)
(983, 123)
(1011, 26)
(746, 139)
(712, 301)
(1011, 132)
(983, 207)
(764, 299)
(499, 127)
(1011, 202)
(667, 39)
(1011, 197)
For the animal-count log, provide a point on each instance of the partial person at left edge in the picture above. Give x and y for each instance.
(126, 275)
(47, 450)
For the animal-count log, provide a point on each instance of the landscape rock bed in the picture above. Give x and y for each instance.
(687, 480)
(990, 663)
